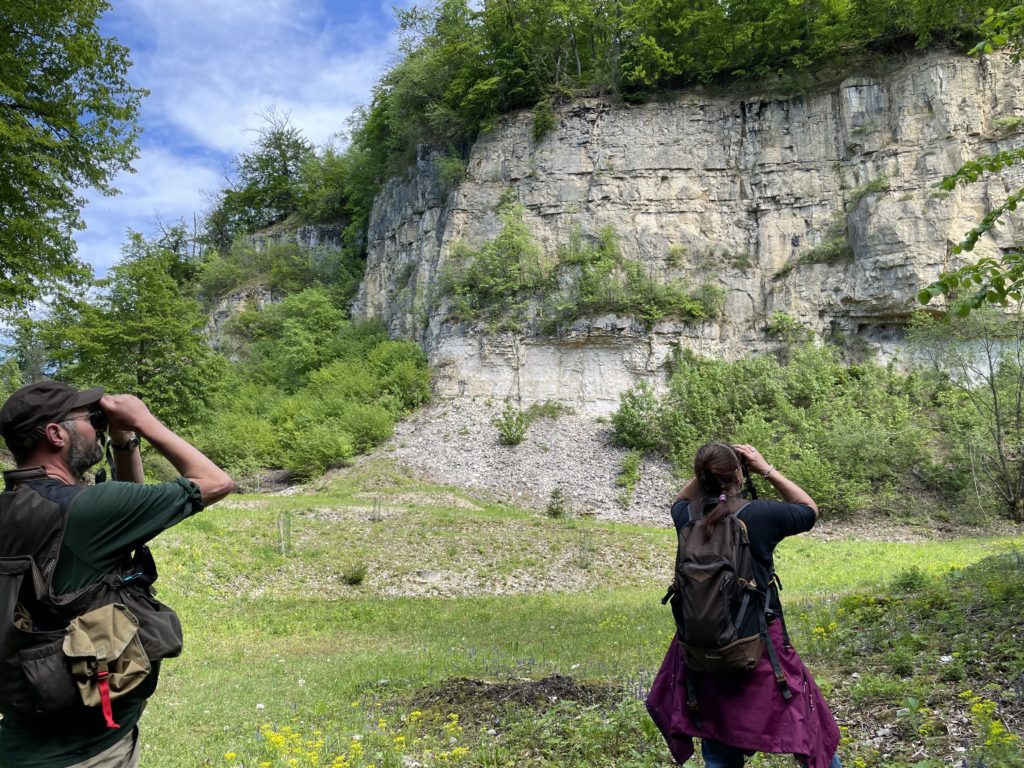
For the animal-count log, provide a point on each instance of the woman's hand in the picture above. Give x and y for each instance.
(755, 461)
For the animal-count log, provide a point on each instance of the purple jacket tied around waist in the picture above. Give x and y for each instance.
(747, 711)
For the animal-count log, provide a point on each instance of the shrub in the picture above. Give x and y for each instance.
(910, 580)
(357, 340)
(451, 169)
(559, 505)
(877, 185)
(543, 119)
(508, 283)
(241, 443)
(835, 241)
(341, 382)
(497, 281)
(636, 422)
(218, 277)
(847, 435)
(1008, 124)
(282, 266)
(354, 574)
(367, 424)
(629, 476)
(315, 449)
(402, 371)
(345, 406)
(512, 425)
(788, 329)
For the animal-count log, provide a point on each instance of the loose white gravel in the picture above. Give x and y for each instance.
(456, 442)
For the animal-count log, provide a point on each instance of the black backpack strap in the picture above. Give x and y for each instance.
(773, 657)
(741, 614)
(776, 584)
(691, 697)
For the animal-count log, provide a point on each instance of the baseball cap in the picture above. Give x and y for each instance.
(38, 404)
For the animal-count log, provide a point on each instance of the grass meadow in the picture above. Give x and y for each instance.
(376, 621)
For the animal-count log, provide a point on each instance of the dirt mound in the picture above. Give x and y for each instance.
(484, 700)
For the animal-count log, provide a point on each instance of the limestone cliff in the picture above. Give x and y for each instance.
(819, 205)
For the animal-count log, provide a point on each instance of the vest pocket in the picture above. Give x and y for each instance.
(46, 671)
(159, 626)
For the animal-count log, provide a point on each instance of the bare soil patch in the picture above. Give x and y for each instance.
(483, 701)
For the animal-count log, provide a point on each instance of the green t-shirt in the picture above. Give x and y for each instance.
(105, 523)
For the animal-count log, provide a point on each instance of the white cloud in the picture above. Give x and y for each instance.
(166, 189)
(212, 68)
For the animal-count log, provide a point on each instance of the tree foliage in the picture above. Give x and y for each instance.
(981, 359)
(264, 187)
(465, 63)
(311, 390)
(462, 64)
(141, 333)
(282, 267)
(306, 389)
(67, 124)
(849, 435)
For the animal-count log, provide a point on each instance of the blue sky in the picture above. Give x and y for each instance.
(212, 67)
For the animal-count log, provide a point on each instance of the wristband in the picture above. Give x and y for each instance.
(128, 445)
(768, 471)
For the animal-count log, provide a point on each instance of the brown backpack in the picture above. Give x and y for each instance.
(719, 608)
(715, 599)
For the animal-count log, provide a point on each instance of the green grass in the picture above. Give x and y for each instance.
(277, 640)
(939, 660)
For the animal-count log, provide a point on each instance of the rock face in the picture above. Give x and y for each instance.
(310, 237)
(820, 206)
(255, 297)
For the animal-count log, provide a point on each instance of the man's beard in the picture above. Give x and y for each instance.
(83, 453)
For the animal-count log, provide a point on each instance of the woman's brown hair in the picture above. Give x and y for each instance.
(715, 467)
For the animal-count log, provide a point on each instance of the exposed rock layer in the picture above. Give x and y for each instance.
(748, 191)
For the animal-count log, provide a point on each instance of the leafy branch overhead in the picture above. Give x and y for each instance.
(989, 280)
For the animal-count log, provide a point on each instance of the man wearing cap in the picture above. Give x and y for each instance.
(84, 541)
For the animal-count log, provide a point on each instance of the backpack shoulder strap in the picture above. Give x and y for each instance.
(696, 511)
(736, 513)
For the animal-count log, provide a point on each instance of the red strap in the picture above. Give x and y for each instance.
(108, 713)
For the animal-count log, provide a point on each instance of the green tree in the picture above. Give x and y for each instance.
(981, 357)
(291, 339)
(266, 182)
(67, 123)
(142, 333)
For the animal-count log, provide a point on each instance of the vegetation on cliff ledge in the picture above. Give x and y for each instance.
(510, 284)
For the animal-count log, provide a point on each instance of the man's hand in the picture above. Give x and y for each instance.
(129, 414)
(126, 413)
